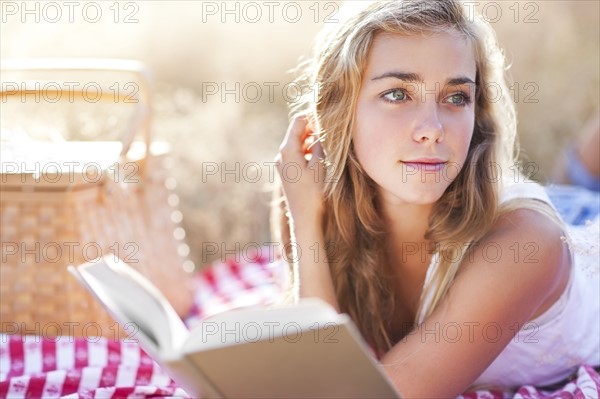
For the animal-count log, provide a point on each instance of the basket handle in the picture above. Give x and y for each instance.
(142, 116)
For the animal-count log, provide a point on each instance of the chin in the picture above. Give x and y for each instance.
(420, 195)
(424, 199)
(426, 192)
(413, 190)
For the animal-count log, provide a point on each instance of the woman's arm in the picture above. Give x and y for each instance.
(493, 295)
(304, 197)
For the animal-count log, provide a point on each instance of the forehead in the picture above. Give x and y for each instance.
(437, 55)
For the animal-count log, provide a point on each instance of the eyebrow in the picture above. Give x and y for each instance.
(417, 78)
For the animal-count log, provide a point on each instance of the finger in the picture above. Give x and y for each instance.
(314, 151)
(316, 157)
(308, 143)
(317, 149)
(295, 135)
(316, 165)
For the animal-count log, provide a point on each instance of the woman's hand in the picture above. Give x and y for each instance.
(302, 179)
(303, 182)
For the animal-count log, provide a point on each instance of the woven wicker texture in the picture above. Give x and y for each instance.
(52, 220)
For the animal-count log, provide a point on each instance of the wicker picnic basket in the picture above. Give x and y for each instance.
(68, 213)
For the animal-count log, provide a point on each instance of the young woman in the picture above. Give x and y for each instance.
(458, 273)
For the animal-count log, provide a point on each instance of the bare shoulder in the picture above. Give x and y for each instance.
(524, 244)
(516, 271)
(525, 253)
(525, 221)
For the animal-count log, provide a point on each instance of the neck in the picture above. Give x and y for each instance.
(407, 222)
(407, 246)
(409, 254)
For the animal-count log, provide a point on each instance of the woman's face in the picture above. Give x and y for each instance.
(415, 114)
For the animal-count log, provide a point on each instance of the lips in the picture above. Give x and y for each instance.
(425, 164)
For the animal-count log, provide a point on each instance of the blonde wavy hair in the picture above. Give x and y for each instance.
(353, 223)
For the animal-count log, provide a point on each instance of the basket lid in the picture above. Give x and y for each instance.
(55, 166)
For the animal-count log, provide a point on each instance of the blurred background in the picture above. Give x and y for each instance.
(221, 88)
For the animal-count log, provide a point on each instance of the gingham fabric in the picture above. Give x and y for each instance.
(65, 367)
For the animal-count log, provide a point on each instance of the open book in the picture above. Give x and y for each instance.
(306, 350)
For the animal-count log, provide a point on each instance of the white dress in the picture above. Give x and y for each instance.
(550, 348)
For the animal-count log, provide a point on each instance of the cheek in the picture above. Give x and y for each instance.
(367, 135)
(376, 123)
(469, 135)
(365, 147)
(464, 130)
(466, 143)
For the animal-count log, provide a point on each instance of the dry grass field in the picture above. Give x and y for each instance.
(220, 72)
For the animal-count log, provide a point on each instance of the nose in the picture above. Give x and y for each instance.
(428, 127)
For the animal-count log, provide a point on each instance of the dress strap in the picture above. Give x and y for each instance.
(524, 189)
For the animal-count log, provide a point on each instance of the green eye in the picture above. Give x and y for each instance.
(396, 95)
(459, 99)
(456, 99)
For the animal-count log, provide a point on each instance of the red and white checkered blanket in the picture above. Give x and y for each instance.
(67, 367)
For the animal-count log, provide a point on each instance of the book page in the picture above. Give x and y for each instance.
(131, 298)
